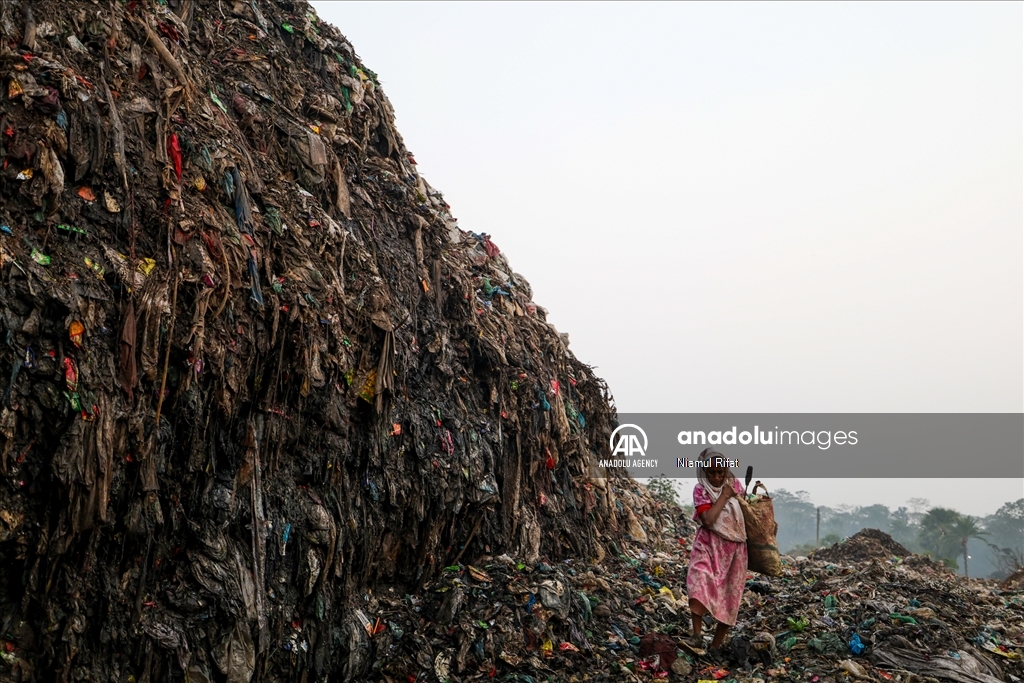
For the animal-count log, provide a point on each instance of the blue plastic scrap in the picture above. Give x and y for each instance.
(257, 295)
(243, 206)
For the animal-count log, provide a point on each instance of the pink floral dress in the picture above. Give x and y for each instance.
(718, 568)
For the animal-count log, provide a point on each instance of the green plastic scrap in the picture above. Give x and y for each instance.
(216, 100)
(273, 218)
(288, 27)
(797, 625)
(71, 228)
(40, 258)
(74, 400)
(95, 267)
(903, 619)
(829, 643)
(831, 602)
(788, 644)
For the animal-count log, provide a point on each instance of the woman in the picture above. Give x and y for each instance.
(718, 560)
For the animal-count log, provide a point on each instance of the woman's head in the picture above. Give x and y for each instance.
(715, 475)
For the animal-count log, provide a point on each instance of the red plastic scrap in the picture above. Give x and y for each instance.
(169, 31)
(715, 672)
(21, 457)
(70, 374)
(174, 149)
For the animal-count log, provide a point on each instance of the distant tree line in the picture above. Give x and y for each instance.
(990, 546)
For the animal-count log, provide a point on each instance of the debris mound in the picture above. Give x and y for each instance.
(866, 544)
(255, 367)
(1014, 581)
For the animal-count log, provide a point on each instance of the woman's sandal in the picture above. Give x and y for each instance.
(694, 644)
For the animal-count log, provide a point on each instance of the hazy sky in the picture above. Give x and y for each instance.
(740, 207)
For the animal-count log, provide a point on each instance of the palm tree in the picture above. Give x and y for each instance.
(964, 529)
(937, 533)
(946, 532)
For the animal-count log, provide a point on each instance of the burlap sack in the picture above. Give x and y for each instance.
(759, 519)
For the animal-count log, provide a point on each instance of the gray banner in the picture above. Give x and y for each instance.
(908, 445)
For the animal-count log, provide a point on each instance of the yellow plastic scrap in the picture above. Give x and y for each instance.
(95, 267)
(991, 647)
(14, 89)
(367, 393)
(146, 266)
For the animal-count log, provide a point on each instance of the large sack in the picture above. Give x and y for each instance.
(759, 519)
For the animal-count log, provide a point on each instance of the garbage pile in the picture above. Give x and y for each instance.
(254, 365)
(866, 544)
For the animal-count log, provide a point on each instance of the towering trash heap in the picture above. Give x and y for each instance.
(255, 367)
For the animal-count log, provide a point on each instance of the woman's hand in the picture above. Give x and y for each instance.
(727, 491)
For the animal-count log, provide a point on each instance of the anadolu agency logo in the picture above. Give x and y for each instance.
(626, 441)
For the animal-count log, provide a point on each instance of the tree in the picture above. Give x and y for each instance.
(1006, 560)
(937, 533)
(945, 533)
(795, 515)
(903, 529)
(964, 529)
(1006, 526)
(830, 539)
(664, 490)
(1005, 540)
(918, 506)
